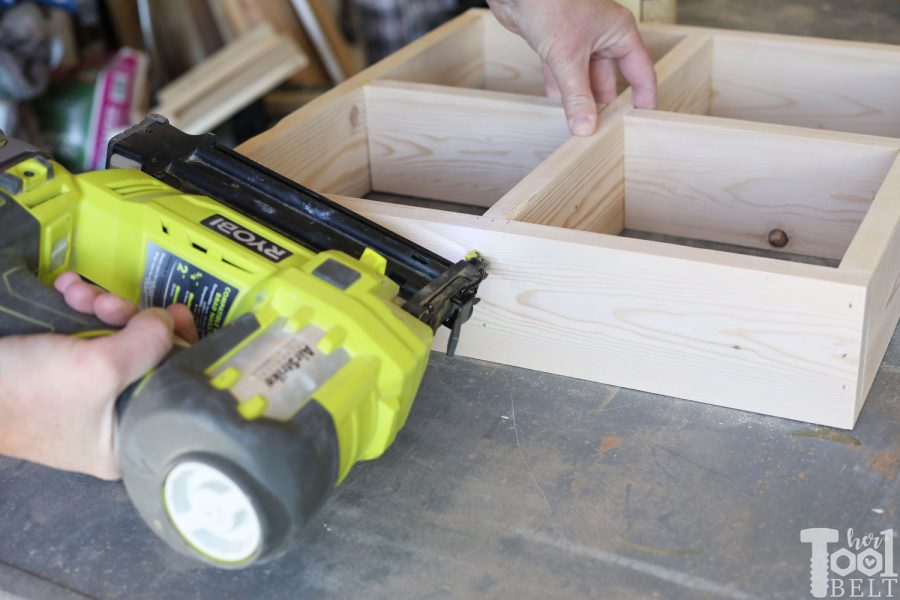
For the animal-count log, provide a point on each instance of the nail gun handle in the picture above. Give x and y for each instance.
(28, 306)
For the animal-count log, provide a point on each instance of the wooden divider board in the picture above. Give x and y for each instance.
(457, 116)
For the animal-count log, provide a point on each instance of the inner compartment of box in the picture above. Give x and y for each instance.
(676, 177)
(666, 175)
(769, 187)
(485, 55)
(457, 146)
(820, 84)
(466, 147)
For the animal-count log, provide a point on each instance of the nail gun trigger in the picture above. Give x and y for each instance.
(462, 315)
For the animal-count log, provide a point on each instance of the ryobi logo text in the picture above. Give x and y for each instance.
(246, 238)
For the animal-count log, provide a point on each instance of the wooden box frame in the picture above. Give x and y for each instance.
(754, 132)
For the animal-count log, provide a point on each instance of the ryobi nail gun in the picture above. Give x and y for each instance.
(316, 326)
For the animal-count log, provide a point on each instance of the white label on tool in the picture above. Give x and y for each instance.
(285, 368)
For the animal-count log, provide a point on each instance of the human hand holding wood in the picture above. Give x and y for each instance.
(58, 393)
(580, 43)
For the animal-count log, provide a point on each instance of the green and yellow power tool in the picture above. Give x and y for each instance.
(315, 325)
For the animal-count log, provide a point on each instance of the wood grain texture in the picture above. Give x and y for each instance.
(510, 64)
(328, 153)
(823, 84)
(581, 185)
(757, 334)
(684, 76)
(246, 14)
(596, 193)
(324, 145)
(230, 79)
(734, 182)
(875, 252)
(205, 78)
(456, 59)
(464, 146)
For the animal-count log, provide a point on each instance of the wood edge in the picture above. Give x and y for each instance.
(316, 34)
(862, 385)
(680, 55)
(771, 38)
(331, 30)
(534, 187)
(540, 102)
(867, 252)
(279, 72)
(665, 29)
(239, 50)
(880, 225)
(724, 123)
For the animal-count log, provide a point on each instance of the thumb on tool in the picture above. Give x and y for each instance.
(139, 347)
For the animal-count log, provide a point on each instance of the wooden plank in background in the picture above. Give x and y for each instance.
(659, 11)
(206, 31)
(246, 14)
(734, 181)
(332, 38)
(125, 22)
(230, 80)
(217, 68)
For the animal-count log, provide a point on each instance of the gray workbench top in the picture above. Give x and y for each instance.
(507, 482)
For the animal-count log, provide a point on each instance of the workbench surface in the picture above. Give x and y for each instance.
(507, 482)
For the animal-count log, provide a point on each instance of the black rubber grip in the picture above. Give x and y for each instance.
(27, 305)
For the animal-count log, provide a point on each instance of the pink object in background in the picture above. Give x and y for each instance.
(117, 96)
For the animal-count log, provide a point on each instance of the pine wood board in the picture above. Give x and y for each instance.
(566, 294)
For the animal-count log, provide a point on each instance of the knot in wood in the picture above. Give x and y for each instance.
(778, 238)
